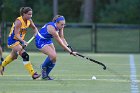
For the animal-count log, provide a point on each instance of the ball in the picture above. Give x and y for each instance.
(93, 78)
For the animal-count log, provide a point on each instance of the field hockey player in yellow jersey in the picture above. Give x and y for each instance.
(16, 39)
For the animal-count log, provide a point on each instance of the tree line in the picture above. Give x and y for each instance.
(75, 11)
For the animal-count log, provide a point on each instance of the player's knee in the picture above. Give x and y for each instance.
(15, 56)
(53, 57)
(25, 56)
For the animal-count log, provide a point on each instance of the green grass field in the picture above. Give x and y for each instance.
(73, 75)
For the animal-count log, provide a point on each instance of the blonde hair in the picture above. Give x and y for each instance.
(24, 10)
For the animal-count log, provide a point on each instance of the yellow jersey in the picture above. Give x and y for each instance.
(12, 40)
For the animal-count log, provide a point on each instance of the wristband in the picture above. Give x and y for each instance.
(70, 48)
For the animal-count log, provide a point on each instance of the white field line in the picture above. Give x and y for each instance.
(68, 76)
(133, 75)
(76, 79)
(106, 80)
(66, 54)
(109, 80)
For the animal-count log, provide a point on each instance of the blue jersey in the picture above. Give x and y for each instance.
(44, 37)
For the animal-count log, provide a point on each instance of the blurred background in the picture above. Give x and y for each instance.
(98, 26)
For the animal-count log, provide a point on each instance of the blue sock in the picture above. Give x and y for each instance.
(50, 67)
(46, 62)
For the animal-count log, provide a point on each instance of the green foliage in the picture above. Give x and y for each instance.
(11, 9)
(123, 11)
(71, 10)
(42, 11)
(107, 11)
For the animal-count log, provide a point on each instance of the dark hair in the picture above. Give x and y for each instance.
(24, 10)
(56, 17)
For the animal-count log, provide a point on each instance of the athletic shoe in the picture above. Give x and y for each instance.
(44, 73)
(1, 68)
(48, 78)
(35, 75)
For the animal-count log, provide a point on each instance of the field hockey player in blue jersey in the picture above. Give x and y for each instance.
(43, 41)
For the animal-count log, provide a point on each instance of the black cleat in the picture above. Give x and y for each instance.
(47, 78)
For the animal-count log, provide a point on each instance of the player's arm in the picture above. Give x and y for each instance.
(61, 34)
(32, 25)
(52, 31)
(16, 32)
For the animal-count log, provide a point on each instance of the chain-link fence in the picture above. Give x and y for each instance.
(98, 38)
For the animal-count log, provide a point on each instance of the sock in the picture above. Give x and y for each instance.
(46, 62)
(29, 67)
(50, 67)
(7, 60)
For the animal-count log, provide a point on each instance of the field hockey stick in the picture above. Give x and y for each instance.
(92, 60)
(29, 41)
